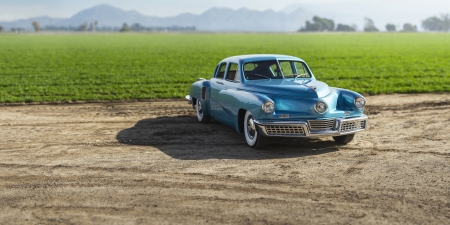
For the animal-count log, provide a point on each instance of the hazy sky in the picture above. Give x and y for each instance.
(381, 10)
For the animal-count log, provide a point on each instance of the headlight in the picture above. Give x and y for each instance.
(268, 107)
(360, 102)
(321, 107)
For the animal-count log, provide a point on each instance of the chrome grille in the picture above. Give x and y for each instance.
(353, 125)
(321, 125)
(284, 130)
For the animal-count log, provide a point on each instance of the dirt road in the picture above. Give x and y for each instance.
(153, 163)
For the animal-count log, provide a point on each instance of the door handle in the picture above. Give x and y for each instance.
(219, 82)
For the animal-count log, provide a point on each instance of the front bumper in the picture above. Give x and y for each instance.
(313, 128)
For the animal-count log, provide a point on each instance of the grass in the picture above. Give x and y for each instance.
(47, 68)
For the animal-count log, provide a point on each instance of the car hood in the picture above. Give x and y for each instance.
(291, 87)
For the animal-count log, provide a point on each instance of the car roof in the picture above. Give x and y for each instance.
(259, 57)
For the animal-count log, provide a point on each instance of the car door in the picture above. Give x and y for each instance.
(227, 98)
(217, 84)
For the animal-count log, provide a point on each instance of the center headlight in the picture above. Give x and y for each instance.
(360, 102)
(321, 107)
(268, 107)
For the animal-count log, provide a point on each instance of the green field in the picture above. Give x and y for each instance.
(64, 67)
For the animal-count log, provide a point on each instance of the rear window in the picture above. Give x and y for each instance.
(221, 72)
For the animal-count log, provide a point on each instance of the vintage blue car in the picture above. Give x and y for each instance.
(276, 96)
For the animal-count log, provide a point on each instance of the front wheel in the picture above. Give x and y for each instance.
(201, 116)
(252, 137)
(344, 139)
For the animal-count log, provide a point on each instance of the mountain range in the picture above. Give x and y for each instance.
(291, 18)
(213, 20)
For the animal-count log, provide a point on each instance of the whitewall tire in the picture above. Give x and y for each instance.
(201, 115)
(253, 138)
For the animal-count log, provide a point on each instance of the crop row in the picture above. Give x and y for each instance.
(42, 68)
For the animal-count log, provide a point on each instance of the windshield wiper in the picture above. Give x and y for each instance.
(259, 75)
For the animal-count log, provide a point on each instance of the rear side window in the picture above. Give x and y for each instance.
(221, 72)
(231, 74)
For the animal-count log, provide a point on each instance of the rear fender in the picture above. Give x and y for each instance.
(200, 91)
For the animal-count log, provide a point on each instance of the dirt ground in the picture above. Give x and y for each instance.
(153, 163)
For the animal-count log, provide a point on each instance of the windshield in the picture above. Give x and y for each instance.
(271, 70)
(291, 69)
(262, 70)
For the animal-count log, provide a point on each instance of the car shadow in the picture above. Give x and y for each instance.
(185, 138)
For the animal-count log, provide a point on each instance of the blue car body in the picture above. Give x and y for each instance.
(248, 82)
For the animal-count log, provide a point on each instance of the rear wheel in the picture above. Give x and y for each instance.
(253, 138)
(344, 139)
(201, 116)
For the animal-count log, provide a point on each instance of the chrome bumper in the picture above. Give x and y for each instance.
(189, 99)
(340, 126)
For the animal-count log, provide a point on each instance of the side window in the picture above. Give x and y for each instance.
(221, 71)
(301, 70)
(231, 74)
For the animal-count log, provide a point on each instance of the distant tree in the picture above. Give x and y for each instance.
(407, 27)
(369, 26)
(94, 28)
(327, 24)
(437, 24)
(125, 28)
(345, 28)
(318, 24)
(390, 27)
(137, 27)
(36, 26)
(17, 30)
(1, 29)
(83, 27)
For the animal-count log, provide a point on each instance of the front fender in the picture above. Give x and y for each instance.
(235, 100)
(346, 100)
